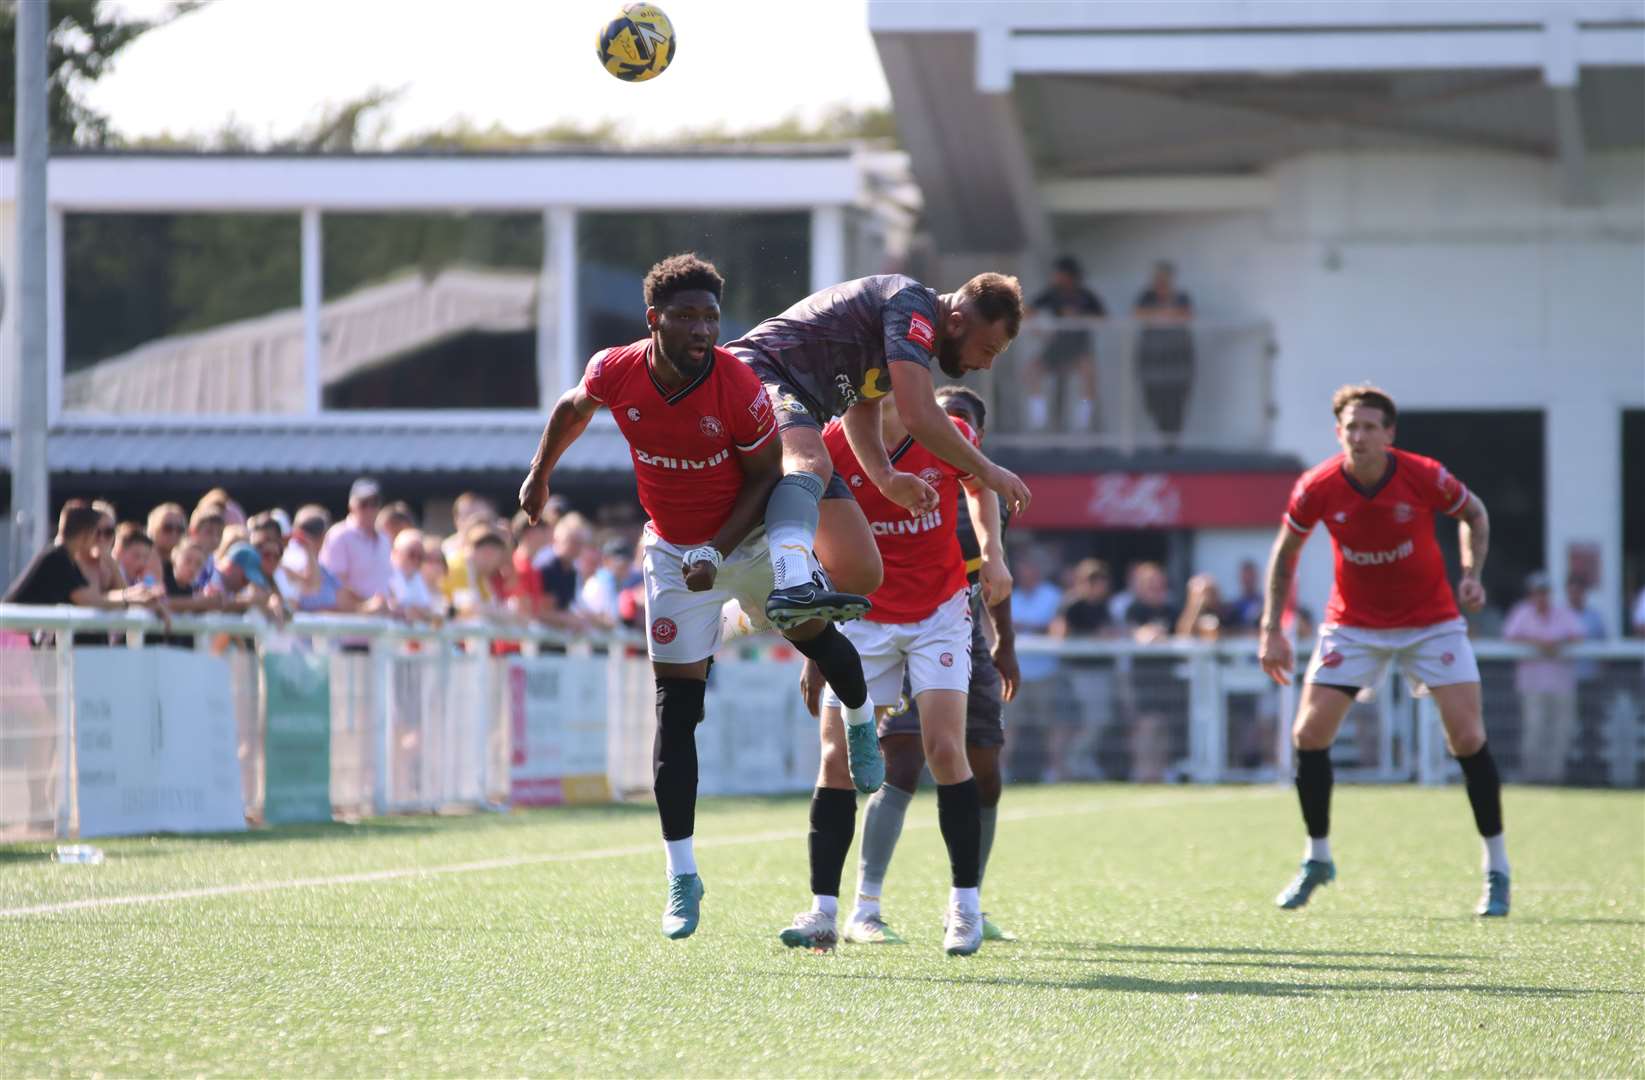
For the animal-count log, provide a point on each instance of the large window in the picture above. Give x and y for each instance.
(765, 258)
(430, 311)
(182, 313)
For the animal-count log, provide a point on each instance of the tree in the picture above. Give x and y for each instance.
(81, 44)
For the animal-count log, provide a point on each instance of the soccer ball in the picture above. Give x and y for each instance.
(638, 44)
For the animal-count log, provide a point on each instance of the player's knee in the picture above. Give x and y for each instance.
(1467, 742)
(946, 756)
(861, 578)
(1311, 732)
(989, 787)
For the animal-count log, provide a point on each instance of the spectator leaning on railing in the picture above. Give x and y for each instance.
(54, 575)
(1547, 683)
(167, 524)
(407, 585)
(133, 552)
(1150, 615)
(1066, 351)
(205, 528)
(356, 552)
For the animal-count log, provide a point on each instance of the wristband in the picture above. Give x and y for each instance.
(708, 553)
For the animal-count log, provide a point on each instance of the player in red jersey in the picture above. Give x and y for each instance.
(1390, 603)
(703, 436)
(921, 625)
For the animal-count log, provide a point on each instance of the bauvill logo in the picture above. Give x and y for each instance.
(663, 462)
(908, 526)
(1378, 558)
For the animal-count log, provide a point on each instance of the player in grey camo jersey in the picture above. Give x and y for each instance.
(836, 353)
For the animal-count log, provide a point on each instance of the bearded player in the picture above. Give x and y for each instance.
(1390, 603)
(839, 352)
(702, 433)
(920, 625)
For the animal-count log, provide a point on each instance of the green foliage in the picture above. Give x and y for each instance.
(82, 41)
(1150, 946)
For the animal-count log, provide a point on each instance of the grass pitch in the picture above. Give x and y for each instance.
(528, 944)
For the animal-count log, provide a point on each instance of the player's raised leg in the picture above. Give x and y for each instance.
(791, 521)
(1319, 718)
(841, 667)
(833, 821)
(1461, 713)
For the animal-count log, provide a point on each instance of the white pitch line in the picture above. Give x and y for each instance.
(513, 861)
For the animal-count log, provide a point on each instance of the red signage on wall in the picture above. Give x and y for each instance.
(1156, 500)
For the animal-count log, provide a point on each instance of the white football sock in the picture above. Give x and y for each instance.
(828, 905)
(1496, 853)
(681, 859)
(867, 904)
(1318, 850)
(862, 714)
(968, 899)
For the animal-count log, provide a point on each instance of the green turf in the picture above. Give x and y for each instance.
(1150, 945)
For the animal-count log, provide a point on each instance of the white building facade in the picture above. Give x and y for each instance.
(1447, 199)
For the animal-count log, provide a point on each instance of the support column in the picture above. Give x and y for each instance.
(827, 246)
(313, 283)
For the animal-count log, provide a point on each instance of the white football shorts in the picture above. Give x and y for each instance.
(936, 652)
(682, 626)
(1437, 655)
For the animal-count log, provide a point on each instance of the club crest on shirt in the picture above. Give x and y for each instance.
(1340, 517)
(931, 475)
(856, 480)
(634, 415)
(920, 331)
(1402, 512)
(711, 426)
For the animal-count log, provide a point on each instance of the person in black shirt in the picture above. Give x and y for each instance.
(1151, 615)
(54, 576)
(1165, 351)
(1069, 351)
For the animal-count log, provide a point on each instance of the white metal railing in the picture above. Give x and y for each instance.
(1209, 379)
(423, 717)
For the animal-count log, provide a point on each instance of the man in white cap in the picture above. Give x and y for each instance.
(355, 551)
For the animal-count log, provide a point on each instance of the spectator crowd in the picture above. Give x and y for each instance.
(376, 560)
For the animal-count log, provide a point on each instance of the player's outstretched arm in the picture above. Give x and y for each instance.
(916, 398)
(1474, 537)
(861, 425)
(566, 422)
(984, 507)
(762, 470)
(1275, 653)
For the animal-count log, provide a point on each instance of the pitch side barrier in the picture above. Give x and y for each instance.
(237, 721)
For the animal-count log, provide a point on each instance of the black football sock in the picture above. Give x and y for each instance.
(1314, 781)
(839, 663)
(1484, 789)
(833, 822)
(959, 817)
(674, 754)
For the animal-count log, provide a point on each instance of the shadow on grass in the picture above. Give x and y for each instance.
(1248, 950)
(1284, 965)
(1240, 987)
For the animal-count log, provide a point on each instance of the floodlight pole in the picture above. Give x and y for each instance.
(29, 473)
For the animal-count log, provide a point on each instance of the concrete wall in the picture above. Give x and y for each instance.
(1456, 280)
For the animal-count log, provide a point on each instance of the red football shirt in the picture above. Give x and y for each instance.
(1389, 570)
(684, 443)
(923, 562)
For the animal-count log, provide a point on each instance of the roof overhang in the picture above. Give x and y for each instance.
(159, 182)
(988, 94)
